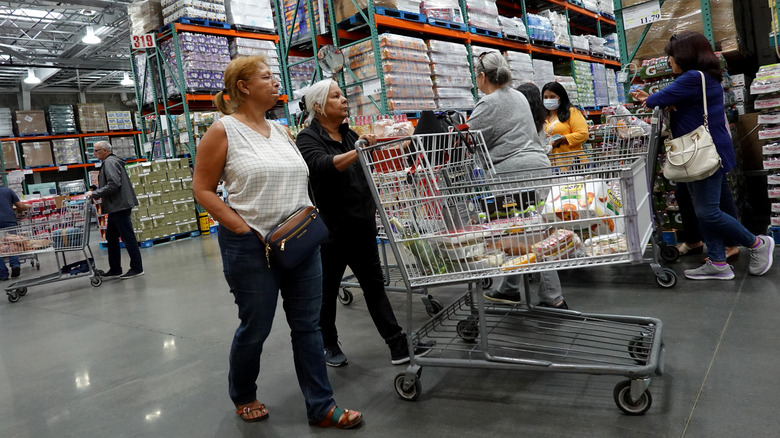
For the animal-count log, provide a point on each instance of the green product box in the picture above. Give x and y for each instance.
(143, 199)
(169, 208)
(159, 165)
(186, 184)
(184, 163)
(155, 199)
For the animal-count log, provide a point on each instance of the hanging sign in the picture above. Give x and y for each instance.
(640, 15)
(142, 41)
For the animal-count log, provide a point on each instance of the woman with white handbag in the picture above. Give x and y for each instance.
(702, 153)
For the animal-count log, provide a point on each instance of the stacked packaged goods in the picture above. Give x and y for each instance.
(543, 72)
(301, 28)
(597, 45)
(606, 7)
(144, 79)
(205, 58)
(61, 119)
(164, 191)
(37, 153)
(75, 186)
(613, 87)
(513, 28)
(584, 77)
(123, 147)
(600, 87)
(200, 121)
(450, 74)
(250, 47)
(91, 117)
(447, 10)
(483, 14)
(119, 120)
(10, 155)
(301, 74)
(570, 85)
(580, 44)
(30, 122)
(67, 151)
(211, 10)
(6, 123)
(766, 88)
(611, 47)
(407, 75)
(345, 9)
(560, 28)
(522, 68)
(540, 28)
(591, 5)
(252, 13)
(145, 16)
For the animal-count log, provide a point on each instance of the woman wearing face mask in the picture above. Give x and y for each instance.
(565, 125)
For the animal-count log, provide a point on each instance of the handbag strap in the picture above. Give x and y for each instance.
(704, 95)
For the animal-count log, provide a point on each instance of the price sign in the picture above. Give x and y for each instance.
(372, 87)
(142, 41)
(640, 15)
(28, 171)
(62, 168)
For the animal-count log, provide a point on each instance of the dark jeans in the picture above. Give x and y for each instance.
(13, 261)
(360, 253)
(691, 232)
(120, 225)
(716, 226)
(255, 288)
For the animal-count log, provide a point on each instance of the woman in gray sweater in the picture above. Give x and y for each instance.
(506, 122)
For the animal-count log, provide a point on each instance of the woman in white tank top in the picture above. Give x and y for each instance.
(266, 180)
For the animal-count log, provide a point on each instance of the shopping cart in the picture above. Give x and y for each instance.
(450, 218)
(61, 233)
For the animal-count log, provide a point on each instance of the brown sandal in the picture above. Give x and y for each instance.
(246, 412)
(340, 418)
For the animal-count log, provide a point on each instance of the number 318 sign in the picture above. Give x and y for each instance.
(143, 41)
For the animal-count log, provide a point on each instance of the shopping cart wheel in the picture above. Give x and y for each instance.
(13, 296)
(487, 283)
(670, 253)
(410, 394)
(668, 279)
(468, 329)
(96, 281)
(638, 349)
(435, 307)
(622, 394)
(346, 297)
(22, 291)
(37, 264)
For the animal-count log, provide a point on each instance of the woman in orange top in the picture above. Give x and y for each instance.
(566, 122)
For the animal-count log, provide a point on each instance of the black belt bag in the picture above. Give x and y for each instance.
(295, 238)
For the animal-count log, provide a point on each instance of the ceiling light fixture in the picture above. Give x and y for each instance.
(90, 37)
(126, 81)
(31, 78)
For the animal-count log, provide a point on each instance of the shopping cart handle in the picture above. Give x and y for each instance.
(360, 144)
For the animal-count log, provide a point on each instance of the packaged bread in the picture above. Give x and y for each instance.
(518, 262)
(517, 244)
(559, 245)
(605, 245)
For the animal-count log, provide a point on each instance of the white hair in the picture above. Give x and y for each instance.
(317, 93)
(103, 144)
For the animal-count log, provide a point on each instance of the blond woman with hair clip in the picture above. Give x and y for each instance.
(266, 180)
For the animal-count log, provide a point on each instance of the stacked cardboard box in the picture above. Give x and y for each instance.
(6, 123)
(37, 153)
(164, 191)
(254, 13)
(145, 16)
(10, 156)
(212, 10)
(67, 151)
(123, 147)
(92, 117)
(119, 120)
(30, 123)
(61, 119)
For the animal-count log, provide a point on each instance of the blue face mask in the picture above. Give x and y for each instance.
(551, 104)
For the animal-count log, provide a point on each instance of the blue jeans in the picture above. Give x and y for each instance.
(12, 260)
(255, 287)
(715, 224)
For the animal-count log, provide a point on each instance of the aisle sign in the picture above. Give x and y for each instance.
(640, 15)
(142, 41)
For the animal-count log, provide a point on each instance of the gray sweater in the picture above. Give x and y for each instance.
(506, 122)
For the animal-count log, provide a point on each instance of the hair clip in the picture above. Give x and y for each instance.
(302, 104)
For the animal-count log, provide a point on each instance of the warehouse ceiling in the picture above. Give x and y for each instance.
(46, 35)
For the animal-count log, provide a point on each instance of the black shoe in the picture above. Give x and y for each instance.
(498, 297)
(334, 357)
(131, 274)
(399, 350)
(16, 271)
(561, 305)
(4, 279)
(108, 273)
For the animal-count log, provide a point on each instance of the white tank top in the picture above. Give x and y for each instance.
(266, 178)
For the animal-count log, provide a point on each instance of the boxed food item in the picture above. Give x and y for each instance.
(119, 120)
(560, 245)
(30, 122)
(67, 151)
(92, 117)
(37, 153)
(10, 155)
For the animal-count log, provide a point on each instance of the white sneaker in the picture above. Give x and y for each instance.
(708, 271)
(761, 256)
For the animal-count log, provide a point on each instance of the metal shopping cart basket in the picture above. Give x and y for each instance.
(450, 218)
(61, 233)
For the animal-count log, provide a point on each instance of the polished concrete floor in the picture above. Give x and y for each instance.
(148, 357)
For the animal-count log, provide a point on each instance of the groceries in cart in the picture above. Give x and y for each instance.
(15, 241)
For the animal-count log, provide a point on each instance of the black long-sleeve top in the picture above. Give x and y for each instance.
(343, 198)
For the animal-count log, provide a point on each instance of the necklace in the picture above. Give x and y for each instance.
(265, 131)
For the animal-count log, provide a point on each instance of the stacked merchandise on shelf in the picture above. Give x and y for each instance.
(407, 76)
(73, 187)
(611, 47)
(250, 47)
(91, 117)
(766, 88)
(615, 97)
(16, 182)
(570, 85)
(434, 10)
(302, 28)
(739, 86)
(10, 155)
(37, 153)
(301, 75)
(584, 77)
(123, 147)
(144, 16)
(144, 80)
(164, 191)
(607, 7)
(200, 121)
(450, 75)
(580, 44)
(67, 151)
(6, 123)
(600, 86)
(483, 15)
(344, 9)
(591, 5)
(256, 14)
(211, 10)
(544, 72)
(119, 120)
(205, 58)
(61, 119)
(539, 29)
(656, 74)
(513, 28)
(560, 28)
(30, 123)
(597, 46)
(522, 68)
